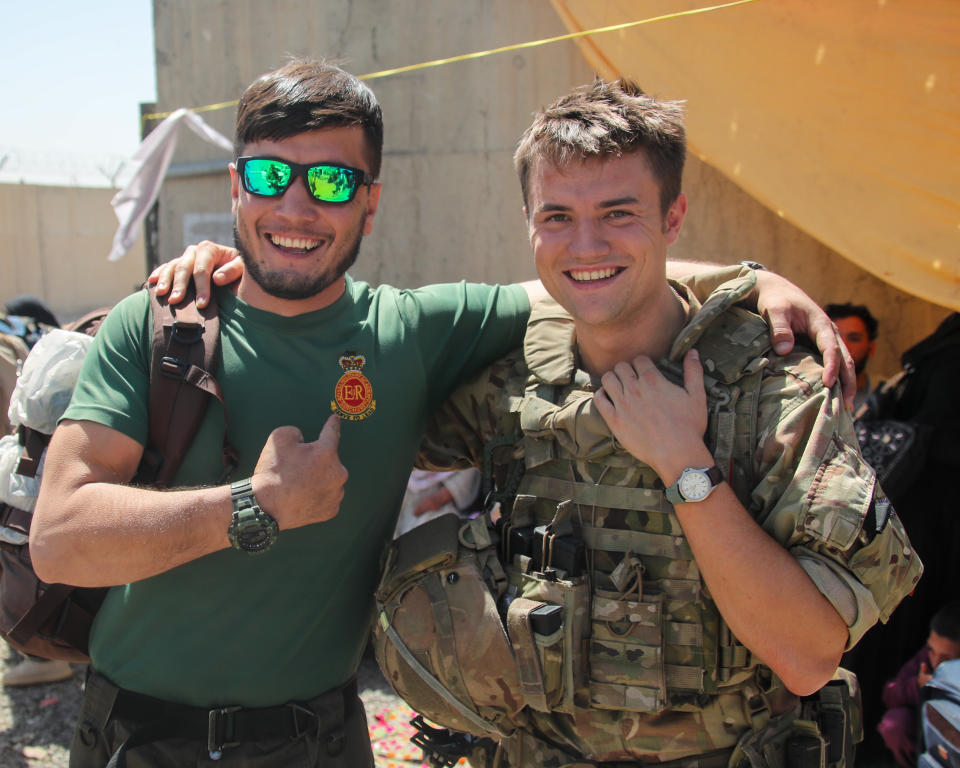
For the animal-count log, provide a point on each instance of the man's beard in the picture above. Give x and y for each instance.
(859, 365)
(283, 284)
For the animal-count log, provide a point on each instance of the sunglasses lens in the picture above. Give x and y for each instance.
(266, 177)
(331, 184)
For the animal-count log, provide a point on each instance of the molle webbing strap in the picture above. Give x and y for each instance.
(638, 542)
(609, 496)
(186, 345)
(684, 677)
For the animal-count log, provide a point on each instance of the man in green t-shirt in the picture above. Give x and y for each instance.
(327, 384)
(239, 612)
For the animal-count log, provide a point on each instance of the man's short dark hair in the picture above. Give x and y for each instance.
(946, 622)
(608, 119)
(840, 311)
(306, 95)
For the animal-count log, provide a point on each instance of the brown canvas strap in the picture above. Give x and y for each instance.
(32, 444)
(90, 322)
(186, 348)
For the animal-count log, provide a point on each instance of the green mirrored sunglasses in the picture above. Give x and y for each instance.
(271, 176)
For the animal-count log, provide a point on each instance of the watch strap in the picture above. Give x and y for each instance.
(714, 475)
(242, 488)
(252, 529)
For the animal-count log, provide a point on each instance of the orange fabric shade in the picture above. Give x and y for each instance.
(843, 116)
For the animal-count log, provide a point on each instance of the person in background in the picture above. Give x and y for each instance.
(901, 696)
(858, 329)
(28, 305)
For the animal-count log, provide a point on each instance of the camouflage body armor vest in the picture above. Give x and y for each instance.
(581, 616)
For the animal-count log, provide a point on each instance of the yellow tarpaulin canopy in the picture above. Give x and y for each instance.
(843, 116)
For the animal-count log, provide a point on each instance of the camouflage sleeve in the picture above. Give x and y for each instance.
(705, 283)
(820, 499)
(476, 412)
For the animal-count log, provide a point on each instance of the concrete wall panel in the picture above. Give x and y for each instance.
(450, 205)
(54, 243)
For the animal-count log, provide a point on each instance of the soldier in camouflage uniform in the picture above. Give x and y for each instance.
(700, 513)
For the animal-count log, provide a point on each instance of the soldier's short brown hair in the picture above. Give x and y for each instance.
(608, 118)
(305, 95)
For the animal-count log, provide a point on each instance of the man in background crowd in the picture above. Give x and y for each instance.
(858, 329)
(901, 696)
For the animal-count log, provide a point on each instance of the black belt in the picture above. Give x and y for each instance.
(223, 727)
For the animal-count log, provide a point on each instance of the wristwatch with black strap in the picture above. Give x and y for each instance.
(252, 530)
(694, 485)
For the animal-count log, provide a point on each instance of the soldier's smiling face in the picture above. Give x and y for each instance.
(599, 237)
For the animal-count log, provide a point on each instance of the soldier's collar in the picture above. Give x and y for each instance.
(549, 346)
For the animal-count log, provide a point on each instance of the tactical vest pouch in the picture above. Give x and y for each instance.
(822, 733)
(536, 633)
(785, 742)
(438, 636)
(435, 546)
(562, 656)
(838, 710)
(626, 653)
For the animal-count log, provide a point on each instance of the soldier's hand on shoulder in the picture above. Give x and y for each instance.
(658, 422)
(301, 483)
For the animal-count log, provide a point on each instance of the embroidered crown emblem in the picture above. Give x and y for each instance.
(351, 362)
(353, 394)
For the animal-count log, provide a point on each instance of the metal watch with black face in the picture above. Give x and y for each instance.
(252, 529)
(694, 485)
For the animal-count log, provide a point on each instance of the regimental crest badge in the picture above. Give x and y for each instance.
(353, 395)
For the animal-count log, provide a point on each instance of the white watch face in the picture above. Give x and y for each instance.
(694, 486)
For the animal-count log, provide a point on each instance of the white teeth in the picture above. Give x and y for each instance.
(296, 243)
(584, 275)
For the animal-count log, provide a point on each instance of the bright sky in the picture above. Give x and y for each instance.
(72, 77)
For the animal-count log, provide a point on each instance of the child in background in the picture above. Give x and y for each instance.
(901, 696)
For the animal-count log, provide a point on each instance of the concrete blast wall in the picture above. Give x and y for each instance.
(451, 205)
(54, 243)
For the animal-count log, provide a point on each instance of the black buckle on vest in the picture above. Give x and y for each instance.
(221, 730)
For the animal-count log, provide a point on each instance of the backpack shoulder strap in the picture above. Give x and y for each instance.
(186, 349)
(90, 322)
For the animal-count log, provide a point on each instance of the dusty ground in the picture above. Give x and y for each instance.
(36, 722)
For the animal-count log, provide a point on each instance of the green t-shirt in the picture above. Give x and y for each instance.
(231, 628)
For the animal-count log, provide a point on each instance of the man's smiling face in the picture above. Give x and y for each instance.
(599, 237)
(295, 248)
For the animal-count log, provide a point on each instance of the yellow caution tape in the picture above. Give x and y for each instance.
(492, 51)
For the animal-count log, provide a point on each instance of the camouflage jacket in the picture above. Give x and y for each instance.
(677, 684)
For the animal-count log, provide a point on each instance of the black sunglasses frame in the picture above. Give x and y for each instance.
(361, 177)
